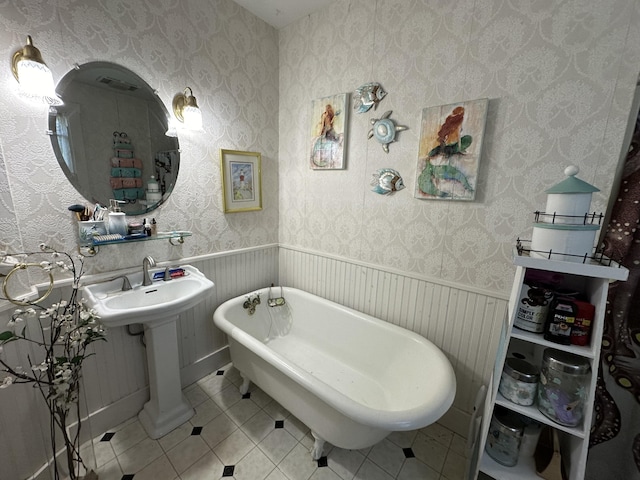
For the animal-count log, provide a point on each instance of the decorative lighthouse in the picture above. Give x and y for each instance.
(566, 230)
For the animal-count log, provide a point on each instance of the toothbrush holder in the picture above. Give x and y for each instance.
(89, 229)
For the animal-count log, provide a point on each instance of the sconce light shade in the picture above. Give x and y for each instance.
(185, 108)
(33, 75)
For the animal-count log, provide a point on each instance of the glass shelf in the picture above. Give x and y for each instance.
(177, 235)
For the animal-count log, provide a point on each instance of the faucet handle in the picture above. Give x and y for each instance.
(167, 274)
(126, 284)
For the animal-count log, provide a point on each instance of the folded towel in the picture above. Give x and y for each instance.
(132, 183)
(126, 162)
(121, 153)
(128, 193)
(126, 172)
(124, 182)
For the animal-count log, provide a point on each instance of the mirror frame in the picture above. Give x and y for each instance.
(165, 121)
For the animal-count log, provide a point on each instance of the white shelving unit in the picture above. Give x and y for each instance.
(590, 278)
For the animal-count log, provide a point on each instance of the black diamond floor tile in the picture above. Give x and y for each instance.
(408, 453)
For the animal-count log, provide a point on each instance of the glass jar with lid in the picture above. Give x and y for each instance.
(562, 392)
(504, 437)
(519, 381)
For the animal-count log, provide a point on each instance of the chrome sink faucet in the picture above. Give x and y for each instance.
(147, 262)
(126, 284)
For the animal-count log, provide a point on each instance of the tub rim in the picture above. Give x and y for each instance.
(393, 420)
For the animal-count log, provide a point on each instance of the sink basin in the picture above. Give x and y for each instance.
(157, 307)
(147, 304)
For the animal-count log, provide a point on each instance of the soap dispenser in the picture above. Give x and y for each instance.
(117, 220)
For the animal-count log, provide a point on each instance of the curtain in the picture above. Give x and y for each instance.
(615, 435)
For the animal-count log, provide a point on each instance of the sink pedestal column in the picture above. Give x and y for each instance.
(167, 407)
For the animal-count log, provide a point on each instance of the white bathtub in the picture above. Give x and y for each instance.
(351, 378)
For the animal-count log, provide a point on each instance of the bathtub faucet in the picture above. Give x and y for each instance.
(251, 303)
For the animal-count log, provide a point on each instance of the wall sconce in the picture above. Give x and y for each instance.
(33, 75)
(186, 110)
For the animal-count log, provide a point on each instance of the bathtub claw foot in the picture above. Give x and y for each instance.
(318, 447)
(244, 388)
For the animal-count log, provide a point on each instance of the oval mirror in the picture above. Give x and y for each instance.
(111, 137)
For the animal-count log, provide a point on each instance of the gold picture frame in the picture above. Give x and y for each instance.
(241, 180)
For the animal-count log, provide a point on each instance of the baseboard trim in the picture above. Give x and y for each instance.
(204, 366)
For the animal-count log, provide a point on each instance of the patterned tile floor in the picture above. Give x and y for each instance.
(255, 438)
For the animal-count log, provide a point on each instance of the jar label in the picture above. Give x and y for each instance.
(560, 322)
(561, 325)
(533, 308)
(520, 393)
(501, 445)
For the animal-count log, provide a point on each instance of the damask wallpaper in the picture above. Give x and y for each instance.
(225, 54)
(559, 76)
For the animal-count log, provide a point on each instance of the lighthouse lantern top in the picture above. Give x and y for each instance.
(571, 184)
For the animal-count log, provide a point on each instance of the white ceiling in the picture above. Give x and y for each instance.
(281, 13)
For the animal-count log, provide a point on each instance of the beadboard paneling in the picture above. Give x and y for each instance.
(233, 274)
(115, 378)
(462, 321)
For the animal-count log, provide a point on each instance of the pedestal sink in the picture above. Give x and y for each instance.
(156, 307)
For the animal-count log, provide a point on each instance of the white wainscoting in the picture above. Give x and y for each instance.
(115, 379)
(463, 322)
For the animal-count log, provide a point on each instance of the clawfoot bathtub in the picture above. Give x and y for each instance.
(351, 378)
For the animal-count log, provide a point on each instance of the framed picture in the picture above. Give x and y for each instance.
(328, 132)
(241, 181)
(449, 150)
